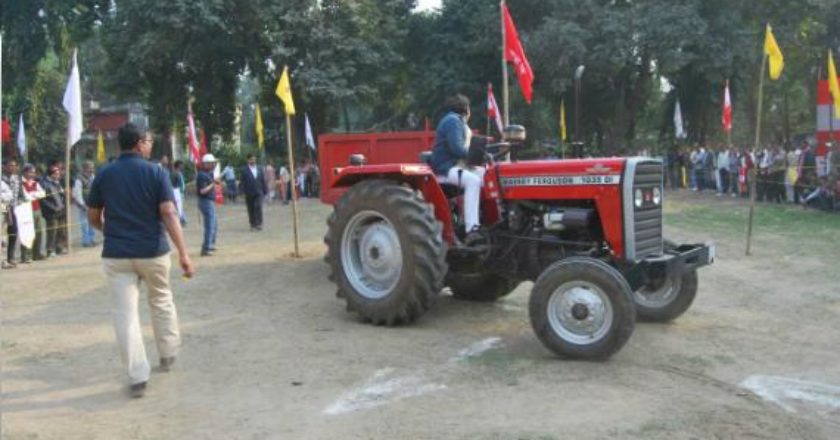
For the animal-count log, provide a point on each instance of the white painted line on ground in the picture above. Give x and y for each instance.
(783, 391)
(511, 307)
(383, 388)
(477, 349)
(387, 387)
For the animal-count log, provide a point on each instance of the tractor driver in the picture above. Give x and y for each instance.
(452, 140)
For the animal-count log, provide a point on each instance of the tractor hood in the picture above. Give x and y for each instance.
(559, 173)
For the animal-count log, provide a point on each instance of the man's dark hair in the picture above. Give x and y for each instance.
(8, 161)
(251, 156)
(458, 103)
(178, 164)
(129, 135)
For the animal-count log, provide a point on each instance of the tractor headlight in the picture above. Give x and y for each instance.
(639, 198)
(657, 196)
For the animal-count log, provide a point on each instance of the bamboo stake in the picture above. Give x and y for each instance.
(293, 182)
(752, 174)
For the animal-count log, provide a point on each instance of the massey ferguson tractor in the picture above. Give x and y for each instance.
(587, 232)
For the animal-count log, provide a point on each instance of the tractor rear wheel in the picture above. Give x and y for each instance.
(386, 252)
(479, 286)
(665, 299)
(582, 308)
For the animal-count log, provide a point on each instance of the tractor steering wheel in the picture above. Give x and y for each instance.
(498, 150)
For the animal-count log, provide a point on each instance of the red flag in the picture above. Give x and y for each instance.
(493, 109)
(727, 110)
(514, 53)
(203, 149)
(6, 131)
(195, 153)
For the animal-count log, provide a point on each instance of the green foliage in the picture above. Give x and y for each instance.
(368, 64)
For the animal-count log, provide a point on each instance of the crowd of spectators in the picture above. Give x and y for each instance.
(792, 176)
(43, 188)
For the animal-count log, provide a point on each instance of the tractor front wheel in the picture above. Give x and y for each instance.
(582, 308)
(386, 252)
(666, 298)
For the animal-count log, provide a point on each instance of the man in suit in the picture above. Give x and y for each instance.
(254, 188)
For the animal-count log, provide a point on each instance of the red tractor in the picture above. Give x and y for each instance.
(588, 232)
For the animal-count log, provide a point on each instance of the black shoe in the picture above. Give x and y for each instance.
(476, 238)
(206, 253)
(166, 363)
(137, 390)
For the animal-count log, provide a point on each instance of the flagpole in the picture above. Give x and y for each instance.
(486, 111)
(11, 206)
(752, 174)
(505, 87)
(293, 181)
(67, 176)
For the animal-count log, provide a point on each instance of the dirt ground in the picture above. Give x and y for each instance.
(270, 353)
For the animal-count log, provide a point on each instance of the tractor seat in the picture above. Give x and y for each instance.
(449, 190)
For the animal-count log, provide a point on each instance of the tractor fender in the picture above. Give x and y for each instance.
(419, 177)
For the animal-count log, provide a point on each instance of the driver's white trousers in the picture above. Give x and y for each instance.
(471, 179)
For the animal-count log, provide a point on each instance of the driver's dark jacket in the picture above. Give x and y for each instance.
(450, 143)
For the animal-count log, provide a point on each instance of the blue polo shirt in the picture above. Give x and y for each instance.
(131, 190)
(202, 179)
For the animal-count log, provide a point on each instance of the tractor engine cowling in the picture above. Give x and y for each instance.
(642, 199)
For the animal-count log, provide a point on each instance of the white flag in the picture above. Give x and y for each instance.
(73, 105)
(678, 123)
(25, 224)
(21, 137)
(310, 140)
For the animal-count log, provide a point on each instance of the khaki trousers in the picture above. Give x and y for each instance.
(124, 277)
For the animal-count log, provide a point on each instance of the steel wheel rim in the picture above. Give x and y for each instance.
(659, 296)
(371, 255)
(570, 302)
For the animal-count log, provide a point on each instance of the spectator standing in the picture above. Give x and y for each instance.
(254, 187)
(283, 184)
(11, 178)
(6, 203)
(723, 170)
(205, 185)
(734, 166)
(131, 200)
(270, 181)
(32, 192)
(229, 176)
(792, 159)
(672, 159)
(81, 189)
(52, 209)
(179, 188)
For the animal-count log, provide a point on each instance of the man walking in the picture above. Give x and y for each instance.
(205, 185)
(254, 188)
(131, 200)
(81, 188)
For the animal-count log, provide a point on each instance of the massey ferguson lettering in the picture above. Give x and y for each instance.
(606, 179)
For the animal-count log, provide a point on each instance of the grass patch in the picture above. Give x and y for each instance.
(728, 220)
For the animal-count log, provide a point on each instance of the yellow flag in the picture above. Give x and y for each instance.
(258, 126)
(100, 148)
(284, 92)
(774, 54)
(833, 83)
(563, 121)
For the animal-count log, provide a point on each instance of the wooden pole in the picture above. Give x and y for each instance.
(67, 193)
(505, 86)
(293, 182)
(752, 174)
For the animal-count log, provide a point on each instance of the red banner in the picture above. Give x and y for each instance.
(493, 112)
(515, 54)
(727, 110)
